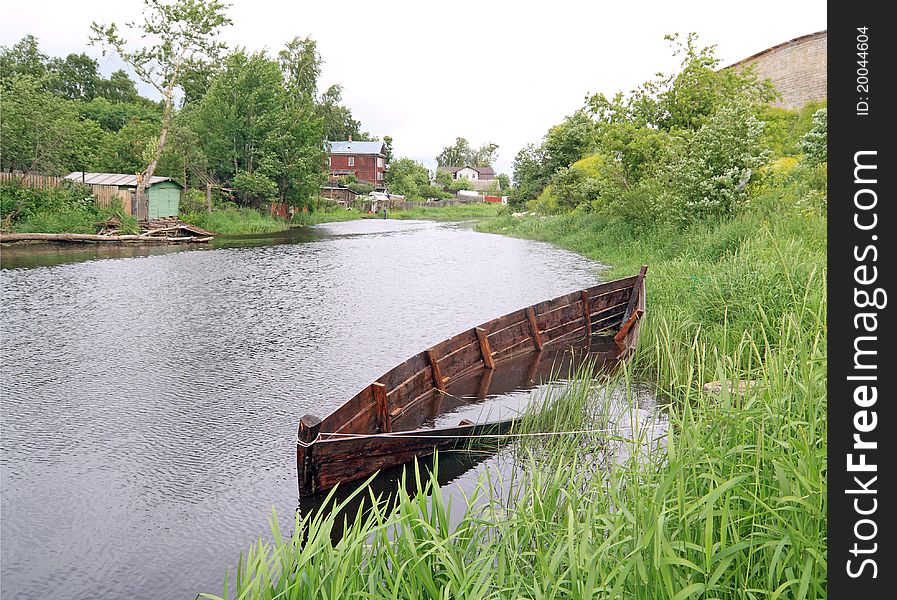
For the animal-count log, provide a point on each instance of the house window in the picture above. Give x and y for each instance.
(379, 162)
(351, 161)
(379, 174)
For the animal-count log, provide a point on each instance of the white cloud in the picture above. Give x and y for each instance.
(427, 72)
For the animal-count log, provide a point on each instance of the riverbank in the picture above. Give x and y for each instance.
(735, 500)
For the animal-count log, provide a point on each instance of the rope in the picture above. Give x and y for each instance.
(401, 435)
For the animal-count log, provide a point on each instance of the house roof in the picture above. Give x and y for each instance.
(356, 148)
(480, 170)
(120, 179)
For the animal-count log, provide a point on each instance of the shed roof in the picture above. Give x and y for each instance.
(356, 148)
(120, 179)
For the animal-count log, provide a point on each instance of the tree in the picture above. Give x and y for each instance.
(387, 144)
(23, 58)
(504, 181)
(42, 132)
(408, 178)
(456, 155)
(460, 154)
(337, 119)
(118, 88)
(301, 65)
(76, 78)
(250, 121)
(183, 32)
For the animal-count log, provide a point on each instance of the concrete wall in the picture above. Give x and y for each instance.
(797, 69)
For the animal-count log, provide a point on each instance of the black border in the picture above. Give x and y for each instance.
(849, 133)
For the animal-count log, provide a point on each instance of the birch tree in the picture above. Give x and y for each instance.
(173, 35)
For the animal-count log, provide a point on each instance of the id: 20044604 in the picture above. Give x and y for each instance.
(862, 71)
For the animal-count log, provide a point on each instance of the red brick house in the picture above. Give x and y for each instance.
(365, 160)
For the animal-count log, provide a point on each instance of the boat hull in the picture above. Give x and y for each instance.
(383, 425)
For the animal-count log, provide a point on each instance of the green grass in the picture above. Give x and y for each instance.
(733, 505)
(456, 212)
(329, 216)
(236, 221)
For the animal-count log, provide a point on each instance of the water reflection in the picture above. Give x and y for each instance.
(150, 403)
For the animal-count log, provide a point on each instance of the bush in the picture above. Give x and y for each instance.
(69, 208)
(254, 187)
(814, 144)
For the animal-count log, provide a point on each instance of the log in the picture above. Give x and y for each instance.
(92, 237)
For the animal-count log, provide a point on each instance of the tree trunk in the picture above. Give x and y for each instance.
(147, 175)
(209, 197)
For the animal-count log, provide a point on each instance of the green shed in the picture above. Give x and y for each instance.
(163, 193)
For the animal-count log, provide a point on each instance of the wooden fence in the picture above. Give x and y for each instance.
(104, 195)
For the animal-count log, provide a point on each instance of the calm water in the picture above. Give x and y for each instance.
(150, 401)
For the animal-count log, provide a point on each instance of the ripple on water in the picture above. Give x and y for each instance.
(149, 404)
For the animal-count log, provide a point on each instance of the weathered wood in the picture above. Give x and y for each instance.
(460, 361)
(534, 327)
(92, 237)
(485, 350)
(624, 330)
(309, 427)
(485, 383)
(379, 390)
(633, 298)
(417, 391)
(512, 335)
(438, 379)
(586, 313)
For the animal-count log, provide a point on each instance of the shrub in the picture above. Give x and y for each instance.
(814, 144)
(254, 186)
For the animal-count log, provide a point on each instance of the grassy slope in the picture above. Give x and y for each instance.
(734, 508)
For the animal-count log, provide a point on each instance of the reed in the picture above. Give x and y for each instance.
(729, 503)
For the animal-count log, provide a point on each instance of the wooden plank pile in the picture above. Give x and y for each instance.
(168, 230)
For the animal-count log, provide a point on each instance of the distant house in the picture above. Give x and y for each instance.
(365, 160)
(163, 193)
(481, 178)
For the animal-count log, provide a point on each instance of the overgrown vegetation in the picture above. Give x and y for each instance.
(66, 209)
(724, 198)
(248, 124)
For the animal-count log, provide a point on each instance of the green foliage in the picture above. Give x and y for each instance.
(69, 208)
(718, 162)
(112, 116)
(235, 221)
(785, 128)
(254, 187)
(409, 178)
(460, 184)
(359, 187)
(461, 154)
(42, 132)
(814, 143)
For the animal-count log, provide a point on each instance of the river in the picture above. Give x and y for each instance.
(150, 397)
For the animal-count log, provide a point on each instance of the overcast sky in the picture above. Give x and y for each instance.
(428, 72)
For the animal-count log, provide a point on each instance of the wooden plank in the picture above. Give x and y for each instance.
(627, 325)
(485, 350)
(485, 383)
(612, 298)
(586, 312)
(309, 428)
(438, 379)
(560, 316)
(509, 336)
(610, 286)
(380, 405)
(460, 361)
(401, 373)
(534, 328)
(636, 288)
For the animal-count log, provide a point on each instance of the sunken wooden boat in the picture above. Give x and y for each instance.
(383, 425)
